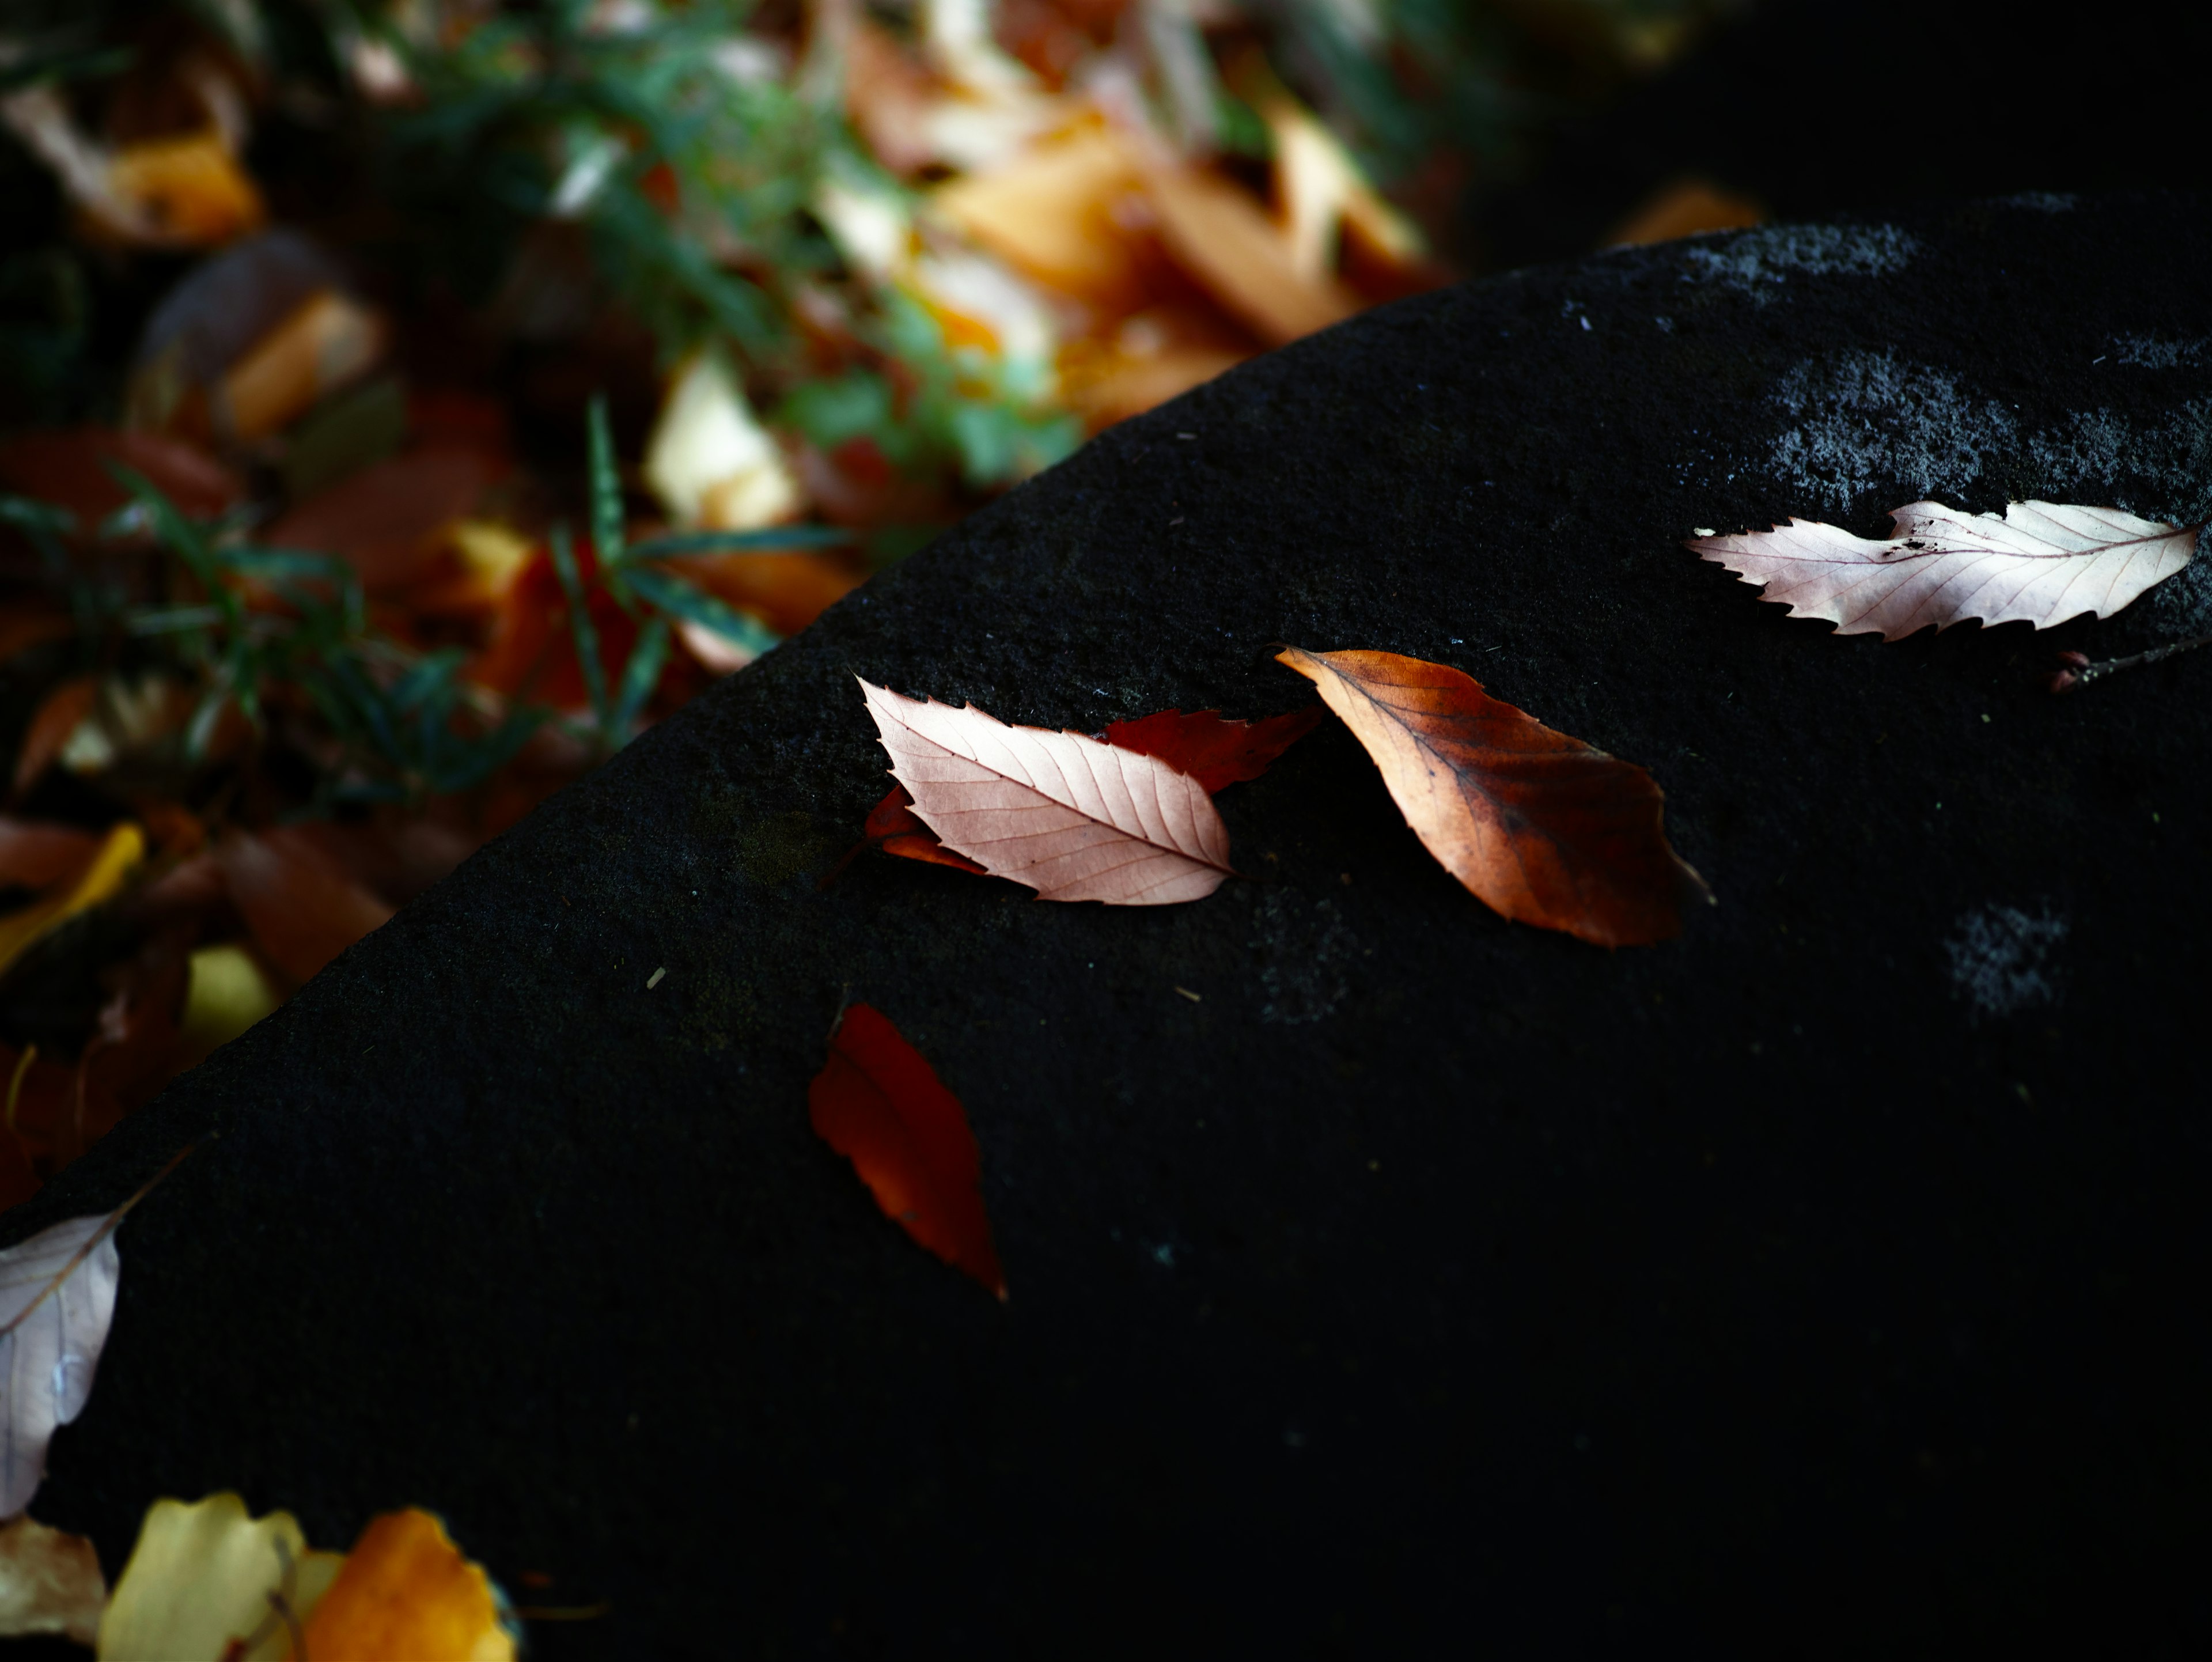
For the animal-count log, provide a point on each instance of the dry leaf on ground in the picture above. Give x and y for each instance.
(50, 1582)
(1208, 745)
(1541, 827)
(51, 725)
(1070, 817)
(117, 857)
(302, 907)
(199, 1583)
(1210, 748)
(2042, 563)
(407, 1591)
(878, 1102)
(57, 1299)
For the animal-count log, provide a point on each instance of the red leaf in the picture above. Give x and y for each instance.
(1211, 748)
(879, 1104)
(53, 720)
(893, 828)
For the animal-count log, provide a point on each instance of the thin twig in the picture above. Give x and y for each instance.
(2079, 671)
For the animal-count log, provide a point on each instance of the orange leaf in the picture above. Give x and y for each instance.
(1539, 826)
(51, 723)
(302, 909)
(187, 191)
(1211, 748)
(1225, 240)
(879, 1104)
(406, 1590)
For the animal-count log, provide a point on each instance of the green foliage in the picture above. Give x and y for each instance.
(988, 418)
(536, 115)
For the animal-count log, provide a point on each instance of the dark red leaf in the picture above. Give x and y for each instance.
(879, 1104)
(1211, 748)
(893, 828)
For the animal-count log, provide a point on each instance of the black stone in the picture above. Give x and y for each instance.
(1832, 1275)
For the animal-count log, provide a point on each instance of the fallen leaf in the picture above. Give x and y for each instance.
(56, 717)
(878, 1102)
(68, 467)
(406, 1590)
(1224, 239)
(110, 867)
(1685, 207)
(2042, 563)
(1539, 827)
(57, 1299)
(710, 461)
(1061, 213)
(184, 191)
(226, 992)
(385, 521)
(893, 827)
(30, 624)
(50, 1582)
(1209, 746)
(327, 340)
(301, 906)
(1069, 816)
(199, 1586)
(35, 855)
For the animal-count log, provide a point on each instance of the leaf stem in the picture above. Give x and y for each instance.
(2079, 670)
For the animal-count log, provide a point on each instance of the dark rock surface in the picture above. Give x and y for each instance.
(1829, 1276)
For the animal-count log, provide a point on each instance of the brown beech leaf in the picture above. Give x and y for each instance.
(878, 1102)
(1070, 817)
(1209, 746)
(1539, 826)
(2043, 563)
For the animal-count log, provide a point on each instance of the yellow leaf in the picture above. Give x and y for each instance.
(1070, 214)
(407, 1593)
(119, 856)
(50, 1582)
(227, 994)
(1224, 239)
(189, 190)
(201, 1579)
(710, 461)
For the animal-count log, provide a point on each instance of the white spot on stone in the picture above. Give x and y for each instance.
(2153, 352)
(1754, 262)
(1870, 421)
(2001, 958)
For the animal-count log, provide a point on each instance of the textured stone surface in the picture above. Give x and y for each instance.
(1829, 1271)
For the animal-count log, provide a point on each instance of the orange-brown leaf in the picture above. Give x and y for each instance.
(1540, 826)
(879, 1104)
(51, 723)
(1209, 746)
(302, 907)
(406, 1590)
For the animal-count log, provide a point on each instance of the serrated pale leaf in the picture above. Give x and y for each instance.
(57, 1300)
(2042, 563)
(1071, 817)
